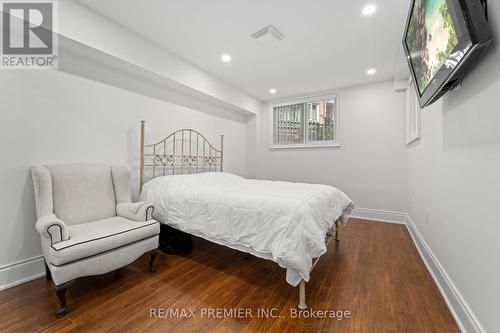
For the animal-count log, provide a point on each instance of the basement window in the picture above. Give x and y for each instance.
(307, 123)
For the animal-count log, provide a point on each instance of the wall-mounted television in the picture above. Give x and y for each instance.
(442, 40)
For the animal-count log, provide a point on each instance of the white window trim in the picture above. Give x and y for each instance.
(318, 144)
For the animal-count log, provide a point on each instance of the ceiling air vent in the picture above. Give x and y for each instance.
(268, 36)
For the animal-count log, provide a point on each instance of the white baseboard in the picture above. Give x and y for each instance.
(21, 271)
(379, 215)
(461, 311)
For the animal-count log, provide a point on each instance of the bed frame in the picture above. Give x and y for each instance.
(187, 151)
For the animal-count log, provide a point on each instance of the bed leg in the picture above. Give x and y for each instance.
(336, 234)
(302, 295)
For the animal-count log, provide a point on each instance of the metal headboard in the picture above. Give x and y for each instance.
(185, 151)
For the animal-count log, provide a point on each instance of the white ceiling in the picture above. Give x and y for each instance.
(328, 43)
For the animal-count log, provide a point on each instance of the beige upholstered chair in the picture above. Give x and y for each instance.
(87, 222)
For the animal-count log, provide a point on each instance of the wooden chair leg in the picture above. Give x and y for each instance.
(61, 294)
(152, 257)
(48, 274)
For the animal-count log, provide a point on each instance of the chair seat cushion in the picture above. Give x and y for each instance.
(93, 238)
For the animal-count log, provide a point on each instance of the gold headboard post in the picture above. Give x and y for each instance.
(221, 151)
(142, 155)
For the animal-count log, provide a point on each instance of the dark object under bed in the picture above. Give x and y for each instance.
(173, 241)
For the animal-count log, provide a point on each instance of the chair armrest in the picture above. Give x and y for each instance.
(139, 211)
(51, 227)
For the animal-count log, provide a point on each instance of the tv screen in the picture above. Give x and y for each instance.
(431, 38)
(443, 38)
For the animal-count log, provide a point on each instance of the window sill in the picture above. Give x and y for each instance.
(305, 146)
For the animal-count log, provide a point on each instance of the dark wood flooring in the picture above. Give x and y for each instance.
(374, 272)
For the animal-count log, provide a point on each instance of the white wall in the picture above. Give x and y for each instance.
(54, 117)
(454, 175)
(371, 164)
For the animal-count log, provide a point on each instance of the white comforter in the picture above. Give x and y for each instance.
(281, 221)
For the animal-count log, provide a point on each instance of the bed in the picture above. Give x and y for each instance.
(288, 223)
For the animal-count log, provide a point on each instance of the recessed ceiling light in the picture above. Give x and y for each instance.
(369, 10)
(272, 91)
(371, 71)
(226, 58)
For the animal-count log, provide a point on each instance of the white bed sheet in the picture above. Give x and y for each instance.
(281, 221)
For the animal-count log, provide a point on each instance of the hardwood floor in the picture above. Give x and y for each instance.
(374, 272)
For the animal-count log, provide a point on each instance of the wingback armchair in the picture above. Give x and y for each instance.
(88, 223)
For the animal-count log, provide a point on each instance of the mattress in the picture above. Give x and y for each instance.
(280, 221)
